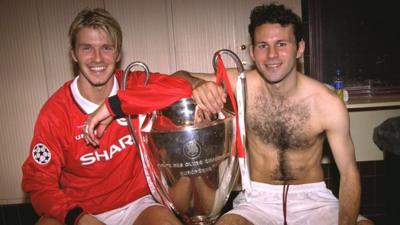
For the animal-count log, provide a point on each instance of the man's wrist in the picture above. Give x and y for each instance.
(198, 82)
(114, 106)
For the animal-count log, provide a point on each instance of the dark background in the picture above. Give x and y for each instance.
(360, 37)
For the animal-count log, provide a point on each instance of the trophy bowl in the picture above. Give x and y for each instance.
(194, 160)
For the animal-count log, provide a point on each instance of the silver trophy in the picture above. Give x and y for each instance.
(189, 158)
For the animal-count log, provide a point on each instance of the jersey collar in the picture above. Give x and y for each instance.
(85, 104)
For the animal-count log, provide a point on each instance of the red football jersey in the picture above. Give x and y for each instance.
(62, 172)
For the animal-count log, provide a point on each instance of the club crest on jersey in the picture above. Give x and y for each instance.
(41, 154)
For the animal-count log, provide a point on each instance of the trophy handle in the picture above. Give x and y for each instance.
(128, 69)
(239, 64)
(124, 81)
(241, 116)
(151, 179)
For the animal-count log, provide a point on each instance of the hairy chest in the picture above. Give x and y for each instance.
(281, 123)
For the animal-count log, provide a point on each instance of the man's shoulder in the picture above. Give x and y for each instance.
(323, 97)
(58, 101)
(311, 85)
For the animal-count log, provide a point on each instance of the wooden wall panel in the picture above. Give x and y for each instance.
(22, 89)
(146, 32)
(200, 29)
(34, 62)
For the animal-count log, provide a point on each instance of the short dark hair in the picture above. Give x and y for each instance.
(274, 13)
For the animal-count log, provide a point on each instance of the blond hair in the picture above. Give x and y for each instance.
(98, 19)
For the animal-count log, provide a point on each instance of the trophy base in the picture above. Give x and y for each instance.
(202, 220)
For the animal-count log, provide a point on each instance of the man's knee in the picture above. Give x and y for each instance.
(157, 215)
(232, 219)
(365, 222)
(44, 220)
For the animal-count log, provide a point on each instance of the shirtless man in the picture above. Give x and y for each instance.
(288, 117)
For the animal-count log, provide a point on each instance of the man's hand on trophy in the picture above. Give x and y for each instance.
(96, 124)
(203, 116)
(210, 97)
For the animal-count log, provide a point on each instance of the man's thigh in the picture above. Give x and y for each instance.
(232, 219)
(47, 221)
(157, 215)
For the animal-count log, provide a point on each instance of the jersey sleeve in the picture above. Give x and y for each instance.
(138, 98)
(42, 170)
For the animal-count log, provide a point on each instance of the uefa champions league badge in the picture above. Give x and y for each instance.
(41, 154)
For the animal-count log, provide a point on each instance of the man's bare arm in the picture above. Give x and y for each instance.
(338, 133)
(209, 96)
(196, 79)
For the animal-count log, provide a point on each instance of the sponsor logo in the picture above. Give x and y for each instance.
(107, 154)
(41, 154)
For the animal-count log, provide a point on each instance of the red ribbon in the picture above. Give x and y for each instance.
(223, 76)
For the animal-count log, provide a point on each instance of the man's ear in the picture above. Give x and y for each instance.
(301, 48)
(251, 51)
(118, 57)
(73, 56)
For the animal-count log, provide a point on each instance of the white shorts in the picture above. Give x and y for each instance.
(126, 215)
(307, 204)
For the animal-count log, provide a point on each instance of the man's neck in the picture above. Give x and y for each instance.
(95, 94)
(285, 88)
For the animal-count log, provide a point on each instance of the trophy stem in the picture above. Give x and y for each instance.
(202, 220)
